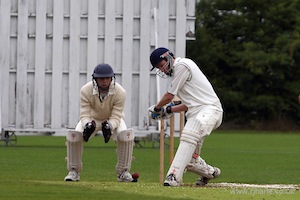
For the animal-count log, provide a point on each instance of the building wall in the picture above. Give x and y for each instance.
(49, 48)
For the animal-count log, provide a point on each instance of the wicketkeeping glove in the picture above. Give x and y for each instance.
(89, 129)
(106, 131)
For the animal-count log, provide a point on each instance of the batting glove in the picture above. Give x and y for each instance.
(155, 113)
(163, 113)
(168, 108)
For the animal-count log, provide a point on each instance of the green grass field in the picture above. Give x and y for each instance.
(35, 169)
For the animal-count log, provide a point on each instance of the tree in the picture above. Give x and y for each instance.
(250, 50)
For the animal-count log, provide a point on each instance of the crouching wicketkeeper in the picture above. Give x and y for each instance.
(102, 102)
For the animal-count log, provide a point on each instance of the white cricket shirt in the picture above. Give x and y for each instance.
(192, 86)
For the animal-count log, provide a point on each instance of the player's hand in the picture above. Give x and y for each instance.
(106, 130)
(155, 114)
(168, 109)
(164, 113)
(89, 129)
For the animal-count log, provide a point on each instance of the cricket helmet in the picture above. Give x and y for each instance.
(103, 71)
(160, 54)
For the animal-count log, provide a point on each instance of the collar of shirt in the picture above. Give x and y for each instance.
(176, 60)
(111, 90)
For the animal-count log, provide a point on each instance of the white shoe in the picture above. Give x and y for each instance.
(72, 176)
(125, 177)
(171, 181)
(202, 181)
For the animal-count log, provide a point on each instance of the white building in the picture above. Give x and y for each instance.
(49, 48)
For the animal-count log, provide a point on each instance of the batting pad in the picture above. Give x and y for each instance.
(191, 132)
(74, 150)
(199, 146)
(124, 151)
(200, 167)
(182, 158)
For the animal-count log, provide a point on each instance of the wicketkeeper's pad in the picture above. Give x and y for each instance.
(74, 150)
(125, 142)
(74, 136)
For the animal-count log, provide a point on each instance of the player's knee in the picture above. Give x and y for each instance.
(126, 135)
(74, 136)
(189, 137)
(191, 131)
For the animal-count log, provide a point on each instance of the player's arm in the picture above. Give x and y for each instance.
(179, 108)
(85, 107)
(116, 115)
(167, 98)
(86, 118)
(180, 77)
(117, 110)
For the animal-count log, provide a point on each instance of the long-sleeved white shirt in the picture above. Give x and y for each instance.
(192, 86)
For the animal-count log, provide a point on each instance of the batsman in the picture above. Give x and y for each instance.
(203, 108)
(102, 103)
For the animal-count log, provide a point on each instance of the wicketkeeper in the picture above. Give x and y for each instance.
(203, 113)
(102, 103)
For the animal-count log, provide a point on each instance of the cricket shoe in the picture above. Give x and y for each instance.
(125, 177)
(202, 181)
(171, 181)
(73, 176)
